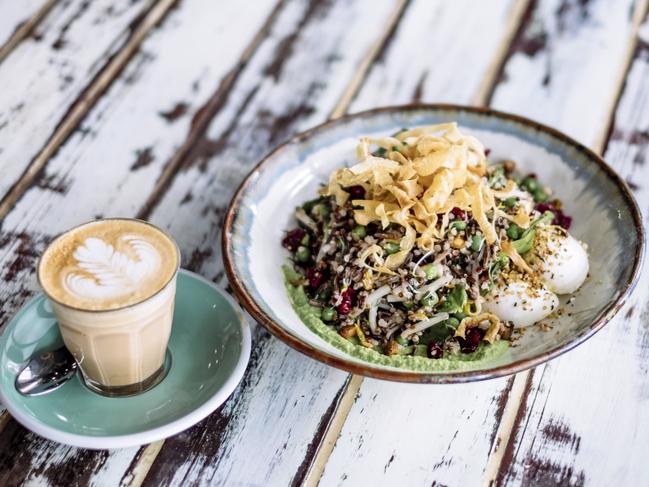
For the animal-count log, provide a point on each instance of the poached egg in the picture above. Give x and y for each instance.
(520, 303)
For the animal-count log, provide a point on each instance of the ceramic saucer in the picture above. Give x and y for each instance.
(209, 348)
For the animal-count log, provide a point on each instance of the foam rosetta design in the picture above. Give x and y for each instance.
(105, 271)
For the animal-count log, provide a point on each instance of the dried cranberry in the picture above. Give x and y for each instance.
(434, 350)
(314, 277)
(356, 192)
(344, 308)
(472, 340)
(293, 239)
(347, 302)
(531, 175)
(458, 213)
(560, 218)
(563, 220)
(487, 152)
(543, 207)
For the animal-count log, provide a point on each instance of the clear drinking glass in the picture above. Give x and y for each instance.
(122, 350)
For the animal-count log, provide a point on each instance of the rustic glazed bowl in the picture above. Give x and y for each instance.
(604, 212)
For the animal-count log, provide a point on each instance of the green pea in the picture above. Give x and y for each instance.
(510, 202)
(476, 243)
(306, 240)
(458, 225)
(514, 231)
(302, 254)
(540, 196)
(402, 341)
(408, 304)
(392, 248)
(454, 322)
(429, 300)
(359, 232)
(530, 184)
(432, 271)
(502, 259)
(324, 294)
(328, 314)
(320, 211)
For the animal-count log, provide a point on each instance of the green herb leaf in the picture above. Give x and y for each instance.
(525, 243)
(380, 152)
(455, 300)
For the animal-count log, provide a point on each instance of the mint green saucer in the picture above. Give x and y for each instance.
(209, 347)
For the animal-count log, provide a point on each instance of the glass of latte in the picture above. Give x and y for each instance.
(112, 284)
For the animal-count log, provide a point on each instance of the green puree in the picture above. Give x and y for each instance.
(310, 315)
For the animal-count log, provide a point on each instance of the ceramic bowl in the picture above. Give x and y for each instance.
(605, 216)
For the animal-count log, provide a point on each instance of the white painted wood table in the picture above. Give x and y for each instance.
(158, 108)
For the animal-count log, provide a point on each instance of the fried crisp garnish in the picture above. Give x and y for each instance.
(472, 321)
(376, 253)
(423, 173)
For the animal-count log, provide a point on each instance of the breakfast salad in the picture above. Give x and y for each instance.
(427, 255)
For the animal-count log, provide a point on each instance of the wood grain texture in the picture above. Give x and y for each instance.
(284, 406)
(47, 75)
(106, 176)
(555, 72)
(589, 420)
(468, 425)
(17, 21)
(435, 39)
(106, 168)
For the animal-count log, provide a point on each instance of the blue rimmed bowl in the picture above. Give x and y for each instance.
(605, 214)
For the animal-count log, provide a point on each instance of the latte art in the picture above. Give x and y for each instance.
(104, 271)
(108, 264)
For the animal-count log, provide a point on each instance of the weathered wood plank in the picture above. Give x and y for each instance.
(589, 421)
(51, 78)
(102, 169)
(436, 39)
(18, 19)
(447, 435)
(539, 78)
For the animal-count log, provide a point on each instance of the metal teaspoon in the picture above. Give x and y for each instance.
(46, 372)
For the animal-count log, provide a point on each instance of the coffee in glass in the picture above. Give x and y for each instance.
(112, 284)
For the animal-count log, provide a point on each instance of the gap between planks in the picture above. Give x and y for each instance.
(353, 386)
(25, 29)
(86, 100)
(639, 14)
(142, 464)
(521, 387)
